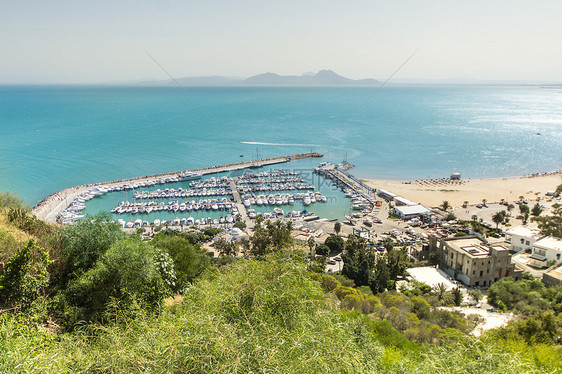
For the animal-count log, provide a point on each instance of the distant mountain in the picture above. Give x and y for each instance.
(322, 78)
(196, 81)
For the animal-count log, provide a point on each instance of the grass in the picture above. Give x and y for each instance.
(10, 237)
(253, 317)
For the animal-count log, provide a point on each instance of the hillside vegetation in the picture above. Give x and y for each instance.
(90, 298)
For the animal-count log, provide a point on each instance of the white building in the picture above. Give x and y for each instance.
(547, 249)
(409, 211)
(521, 238)
(400, 201)
(387, 195)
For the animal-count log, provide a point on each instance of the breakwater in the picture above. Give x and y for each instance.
(49, 208)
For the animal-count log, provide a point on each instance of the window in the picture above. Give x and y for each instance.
(558, 256)
(522, 240)
(481, 273)
(473, 272)
(527, 242)
(477, 283)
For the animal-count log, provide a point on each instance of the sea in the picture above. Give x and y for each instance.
(53, 137)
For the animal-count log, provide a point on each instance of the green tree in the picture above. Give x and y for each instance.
(510, 207)
(273, 237)
(457, 296)
(445, 205)
(551, 225)
(523, 208)
(323, 250)
(450, 217)
(335, 243)
(497, 218)
(190, 260)
(83, 243)
(337, 227)
(226, 248)
(558, 191)
(129, 272)
(311, 245)
(537, 210)
(24, 277)
(476, 295)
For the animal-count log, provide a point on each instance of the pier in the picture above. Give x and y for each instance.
(49, 208)
(341, 176)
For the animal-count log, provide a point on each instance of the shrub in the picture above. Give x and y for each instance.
(190, 260)
(335, 243)
(24, 276)
(130, 272)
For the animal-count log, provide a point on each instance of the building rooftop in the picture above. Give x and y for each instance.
(387, 193)
(549, 242)
(403, 200)
(471, 246)
(412, 209)
(525, 231)
(556, 272)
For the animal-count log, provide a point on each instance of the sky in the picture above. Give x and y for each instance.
(102, 41)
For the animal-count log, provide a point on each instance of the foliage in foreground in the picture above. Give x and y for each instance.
(256, 316)
(526, 296)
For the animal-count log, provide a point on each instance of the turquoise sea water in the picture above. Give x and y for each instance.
(336, 206)
(54, 137)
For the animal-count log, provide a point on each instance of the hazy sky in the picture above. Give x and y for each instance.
(76, 41)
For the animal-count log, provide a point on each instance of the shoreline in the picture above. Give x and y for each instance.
(49, 208)
(433, 192)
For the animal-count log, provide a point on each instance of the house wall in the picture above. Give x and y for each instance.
(477, 271)
(518, 243)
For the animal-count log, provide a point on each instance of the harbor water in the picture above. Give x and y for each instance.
(54, 137)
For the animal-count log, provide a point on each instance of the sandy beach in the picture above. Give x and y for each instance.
(433, 193)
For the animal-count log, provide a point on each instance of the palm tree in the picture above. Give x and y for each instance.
(440, 289)
(337, 227)
(474, 217)
(465, 203)
(445, 205)
(311, 244)
(497, 218)
(290, 226)
(510, 208)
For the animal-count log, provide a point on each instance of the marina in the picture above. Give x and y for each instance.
(67, 205)
(228, 196)
(215, 197)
